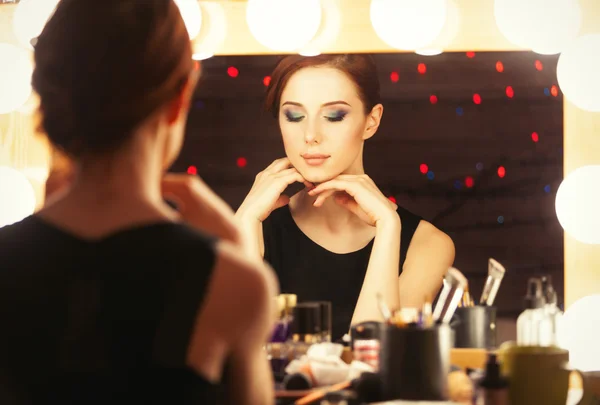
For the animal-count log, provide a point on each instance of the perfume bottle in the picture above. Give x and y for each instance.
(306, 329)
(276, 349)
(530, 322)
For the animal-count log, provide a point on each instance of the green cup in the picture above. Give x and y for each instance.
(539, 375)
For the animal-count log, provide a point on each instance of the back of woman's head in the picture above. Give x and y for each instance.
(360, 68)
(104, 66)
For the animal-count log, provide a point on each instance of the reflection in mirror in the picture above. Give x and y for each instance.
(470, 142)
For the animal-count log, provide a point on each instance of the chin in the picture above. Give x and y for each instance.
(317, 176)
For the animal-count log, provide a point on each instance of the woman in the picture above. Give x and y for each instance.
(340, 239)
(106, 294)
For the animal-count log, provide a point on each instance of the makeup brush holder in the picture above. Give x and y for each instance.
(474, 327)
(415, 363)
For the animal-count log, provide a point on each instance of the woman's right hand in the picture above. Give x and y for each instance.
(265, 196)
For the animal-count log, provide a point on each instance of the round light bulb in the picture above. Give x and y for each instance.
(451, 28)
(192, 16)
(30, 17)
(331, 23)
(15, 77)
(578, 72)
(284, 25)
(578, 204)
(213, 31)
(579, 329)
(408, 24)
(544, 26)
(18, 196)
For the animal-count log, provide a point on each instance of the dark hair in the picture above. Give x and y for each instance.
(360, 68)
(103, 66)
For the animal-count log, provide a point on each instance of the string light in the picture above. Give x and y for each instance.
(459, 111)
(535, 137)
(241, 162)
(476, 98)
(470, 54)
(539, 65)
(546, 91)
(392, 199)
(469, 182)
(267, 81)
(499, 67)
(501, 172)
(192, 170)
(500, 219)
(394, 77)
(510, 93)
(554, 90)
(232, 71)
(479, 166)
(422, 68)
(433, 99)
(423, 168)
(430, 175)
(457, 184)
(547, 188)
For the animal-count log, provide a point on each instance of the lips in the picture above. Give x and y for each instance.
(310, 156)
(315, 159)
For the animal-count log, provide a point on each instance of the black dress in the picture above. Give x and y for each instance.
(107, 321)
(317, 274)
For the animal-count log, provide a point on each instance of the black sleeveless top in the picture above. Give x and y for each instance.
(316, 274)
(101, 322)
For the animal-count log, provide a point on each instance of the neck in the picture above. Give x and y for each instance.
(331, 214)
(130, 176)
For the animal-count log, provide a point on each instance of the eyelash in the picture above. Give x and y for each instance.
(338, 118)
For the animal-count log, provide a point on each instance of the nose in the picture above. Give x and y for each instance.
(312, 135)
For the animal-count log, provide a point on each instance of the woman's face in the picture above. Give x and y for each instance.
(323, 123)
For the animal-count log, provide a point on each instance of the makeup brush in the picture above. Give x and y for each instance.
(495, 275)
(452, 292)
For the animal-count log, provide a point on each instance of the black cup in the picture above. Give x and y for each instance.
(414, 363)
(475, 327)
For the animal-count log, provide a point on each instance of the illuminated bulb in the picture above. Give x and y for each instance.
(30, 17)
(327, 35)
(578, 333)
(544, 26)
(284, 25)
(15, 77)
(577, 204)
(213, 30)
(447, 34)
(577, 73)
(408, 24)
(192, 16)
(18, 196)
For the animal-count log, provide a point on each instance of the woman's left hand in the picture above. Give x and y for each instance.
(360, 195)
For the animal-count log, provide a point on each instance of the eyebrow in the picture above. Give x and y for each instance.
(323, 105)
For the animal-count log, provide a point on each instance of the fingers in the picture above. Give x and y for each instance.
(281, 201)
(322, 197)
(339, 185)
(278, 165)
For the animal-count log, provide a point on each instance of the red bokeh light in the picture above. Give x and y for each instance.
(192, 170)
(554, 90)
(470, 54)
(469, 182)
(510, 93)
(423, 168)
(267, 80)
(433, 99)
(422, 68)
(476, 98)
(232, 71)
(242, 162)
(499, 66)
(535, 137)
(501, 172)
(394, 77)
(539, 65)
(392, 199)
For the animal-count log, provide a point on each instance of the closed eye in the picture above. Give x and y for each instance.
(336, 117)
(291, 117)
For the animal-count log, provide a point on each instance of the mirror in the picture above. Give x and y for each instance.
(471, 142)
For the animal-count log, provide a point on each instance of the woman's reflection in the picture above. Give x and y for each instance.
(340, 239)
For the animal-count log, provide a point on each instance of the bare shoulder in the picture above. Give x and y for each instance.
(246, 281)
(428, 236)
